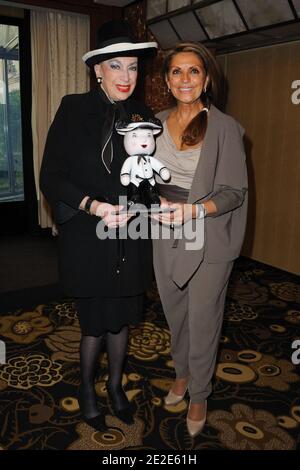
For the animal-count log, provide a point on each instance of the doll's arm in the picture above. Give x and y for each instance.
(160, 168)
(126, 171)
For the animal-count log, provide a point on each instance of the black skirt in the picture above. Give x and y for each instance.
(97, 315)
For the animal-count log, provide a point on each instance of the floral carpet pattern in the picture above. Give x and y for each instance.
(255, 404)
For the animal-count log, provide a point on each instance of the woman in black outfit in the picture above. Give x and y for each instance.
(80, 177)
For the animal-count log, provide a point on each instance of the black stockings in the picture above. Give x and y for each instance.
(90, 348)
(116, 352)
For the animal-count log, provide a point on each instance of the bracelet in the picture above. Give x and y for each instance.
(87, 205)
(201, 211)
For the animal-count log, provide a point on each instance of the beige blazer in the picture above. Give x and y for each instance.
(221, 175)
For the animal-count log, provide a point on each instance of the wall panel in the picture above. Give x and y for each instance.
(259, 97)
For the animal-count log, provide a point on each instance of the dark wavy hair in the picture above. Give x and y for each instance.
(195, 131)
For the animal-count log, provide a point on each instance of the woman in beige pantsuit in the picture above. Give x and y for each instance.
(203, 148)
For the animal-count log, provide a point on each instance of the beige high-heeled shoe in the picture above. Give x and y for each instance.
(195, 427)
(173, 399)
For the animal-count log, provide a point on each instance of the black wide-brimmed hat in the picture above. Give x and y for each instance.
(136, 121)
(116, 39)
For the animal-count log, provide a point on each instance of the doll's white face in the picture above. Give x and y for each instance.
(139, 142)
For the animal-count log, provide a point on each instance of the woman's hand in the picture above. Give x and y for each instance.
(110, 214)
(182, 213)
(164, 203)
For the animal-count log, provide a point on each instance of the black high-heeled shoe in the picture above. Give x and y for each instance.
(124, 414)
(97, 422)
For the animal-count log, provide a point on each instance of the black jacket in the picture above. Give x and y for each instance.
(72, 168)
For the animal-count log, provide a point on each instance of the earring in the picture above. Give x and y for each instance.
(99, 80)
(169, 90)
(204, 89)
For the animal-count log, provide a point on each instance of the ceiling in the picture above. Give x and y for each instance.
(226, 25)
(114, 3)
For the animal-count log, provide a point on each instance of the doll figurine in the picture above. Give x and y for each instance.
(138, 169)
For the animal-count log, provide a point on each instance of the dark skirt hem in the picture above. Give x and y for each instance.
(99, 315)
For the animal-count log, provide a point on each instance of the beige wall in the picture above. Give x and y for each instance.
(259, 97)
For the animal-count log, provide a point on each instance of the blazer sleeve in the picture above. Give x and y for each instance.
(60, 192)
(231, 182)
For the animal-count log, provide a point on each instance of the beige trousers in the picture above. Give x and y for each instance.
(194, 315)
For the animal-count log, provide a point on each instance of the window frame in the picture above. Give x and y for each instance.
(8, 146)
(22, 216)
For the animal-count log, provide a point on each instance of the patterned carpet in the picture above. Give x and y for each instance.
(255, 403)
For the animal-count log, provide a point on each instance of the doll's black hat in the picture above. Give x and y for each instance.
(116, 39)
(138, 121)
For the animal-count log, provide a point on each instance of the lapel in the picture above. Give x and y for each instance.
(203, 179)
(93, 118)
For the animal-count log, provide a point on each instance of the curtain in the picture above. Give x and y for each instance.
(58, 42)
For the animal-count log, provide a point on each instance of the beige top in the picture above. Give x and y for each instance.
(181, 163)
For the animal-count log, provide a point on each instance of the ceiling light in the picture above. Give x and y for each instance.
(220, 19)
(259, 13)
(188, 27)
